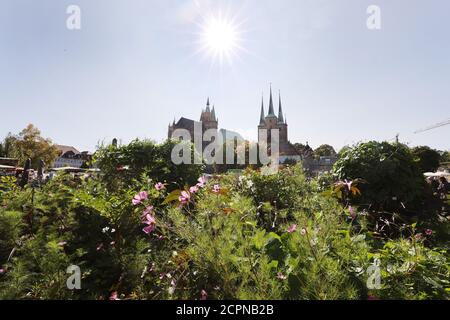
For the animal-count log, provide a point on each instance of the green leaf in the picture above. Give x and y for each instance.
(273, 264)
(173, 196)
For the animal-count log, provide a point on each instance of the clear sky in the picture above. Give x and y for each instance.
(134, 66)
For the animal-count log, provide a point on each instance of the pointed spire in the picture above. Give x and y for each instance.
(271, 112)
(213, 114)
(207, 105)
(280, 110)
(261, 119)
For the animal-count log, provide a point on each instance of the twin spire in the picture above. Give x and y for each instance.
(271, 109)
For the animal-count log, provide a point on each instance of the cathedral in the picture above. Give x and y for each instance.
(269, 122)
(208, 120)
(273, 122)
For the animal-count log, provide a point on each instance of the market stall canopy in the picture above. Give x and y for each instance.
(68, 169)
(437, 174)
(7, 167)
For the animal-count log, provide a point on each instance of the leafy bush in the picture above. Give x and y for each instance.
(392, 177)
(234, 237)
(121, 164)
(427, 158)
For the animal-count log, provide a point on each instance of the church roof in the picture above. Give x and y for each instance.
(185, 123)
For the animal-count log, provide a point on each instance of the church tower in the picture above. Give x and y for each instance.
(272, 122)
(208, 118)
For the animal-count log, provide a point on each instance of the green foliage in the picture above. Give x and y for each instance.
(324, 150)
(414, 271)
(254, 236)
(120, 165)
(392, 176)
(427, 158)
(30, 144)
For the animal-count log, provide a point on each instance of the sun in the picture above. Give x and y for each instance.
(220, 36)
(220, 39)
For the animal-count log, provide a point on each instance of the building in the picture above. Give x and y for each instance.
(208, 120)
(271, 121)
(71, 157)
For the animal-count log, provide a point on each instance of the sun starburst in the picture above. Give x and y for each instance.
(220, 39)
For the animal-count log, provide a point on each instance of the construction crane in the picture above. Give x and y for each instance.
(437, 125)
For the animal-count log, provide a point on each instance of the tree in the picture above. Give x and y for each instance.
(120, 165)
(305, 150)
(391, 176)
(6, 146)
(445, 156)
(427, 158)
(324, 150)
(29, 144)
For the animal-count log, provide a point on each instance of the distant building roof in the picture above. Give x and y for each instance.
(64, 149)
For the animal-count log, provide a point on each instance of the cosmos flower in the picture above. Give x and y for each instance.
(216, 188)
(292, 228)
(114, 296)
(141, 196)
(150, 221)
(281, 276)
(147, 210)
(193, 189)
(429, 232)
(201, 182)
(185, 197)
(159, 186)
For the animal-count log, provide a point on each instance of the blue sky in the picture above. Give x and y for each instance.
(133, 67)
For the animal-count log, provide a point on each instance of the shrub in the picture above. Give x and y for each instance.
(120, 165)
(392, 177)
(234, 237)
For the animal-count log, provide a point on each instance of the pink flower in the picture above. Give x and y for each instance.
(216, 188)
(147, 210)
(418, 236)
(114, 296)
(2, 271)
(352, 212)
(185, 197)
(281, 276)
(159, 186)
(203, 295)
(429, 232)
(303, 231)
(201, 182)
(141, 196)
(150, 221)
(193, 189)
(292, 228)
